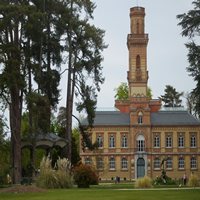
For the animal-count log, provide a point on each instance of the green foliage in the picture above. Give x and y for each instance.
(84, 176)
(190, 24)
(171, 98)
(164, 181)
(144, 182)
(106, 194)
(149, 93)
(122, 92)
(193, 181)
(58, 177)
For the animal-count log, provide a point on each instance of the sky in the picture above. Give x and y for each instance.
(166, 52)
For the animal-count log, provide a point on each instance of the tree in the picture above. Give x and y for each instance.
(84, 44)
(171, 98)
(190, 24)
(191, 102)
(29, 48)
(122, 92)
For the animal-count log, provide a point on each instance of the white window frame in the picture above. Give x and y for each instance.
(157, 141)
(181, 141)
(112, 163)
(168, 141)
(124, 141)
(140, 143)
(181, 163)
(169, 163)
(111, 141)
(156, 163)
(100, 141)
(124, 163)
(99, 163)
(193, 141)
(193, 163)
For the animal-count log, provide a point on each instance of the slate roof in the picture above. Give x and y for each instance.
(161, 118)
(110, 118)
(173, 118)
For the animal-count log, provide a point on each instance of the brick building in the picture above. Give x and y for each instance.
(134, 139)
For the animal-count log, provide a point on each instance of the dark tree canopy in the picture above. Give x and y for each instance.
(171, 98)
(190, 23)
(34, 35)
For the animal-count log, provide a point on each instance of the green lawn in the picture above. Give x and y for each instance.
(106, 194)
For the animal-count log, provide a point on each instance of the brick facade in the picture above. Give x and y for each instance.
(143, 136)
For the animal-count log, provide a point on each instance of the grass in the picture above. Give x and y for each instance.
(105, 194)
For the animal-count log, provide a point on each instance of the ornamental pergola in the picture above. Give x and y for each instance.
(44, 141)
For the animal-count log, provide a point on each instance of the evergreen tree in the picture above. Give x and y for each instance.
(29, 48)
(84, 44)
(171, 98)
(190, 23)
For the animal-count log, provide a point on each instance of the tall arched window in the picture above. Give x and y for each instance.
(138, 63)
(140, 117)
(138, 27)
(140, 143)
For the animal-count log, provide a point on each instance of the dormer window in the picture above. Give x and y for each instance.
(140, 117)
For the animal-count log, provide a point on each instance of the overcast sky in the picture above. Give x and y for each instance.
(167, 55)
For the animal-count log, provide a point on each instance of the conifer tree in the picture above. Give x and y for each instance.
(171, 98)
(190, 23)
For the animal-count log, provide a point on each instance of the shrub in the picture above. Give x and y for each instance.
(164, 181)
(144, 182)
(58, 177)
(193, 181)
(84, 176)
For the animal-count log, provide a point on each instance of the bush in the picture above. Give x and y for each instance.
(193, 181)
(57, 177)
(164, 181)
(84, 176)
(144, 182)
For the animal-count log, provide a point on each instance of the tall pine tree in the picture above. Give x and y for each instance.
(190, 23)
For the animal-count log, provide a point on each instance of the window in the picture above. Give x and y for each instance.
(169, 163)
(181, 163)
(112, 141)
(138, 63)
(181, 141)
(193, 141)
(157, 141)
(193, 163)
(169, 141)
(112, 163)
(88, 161)
(100, 141)
(124, 163)
(140, 143)
(99, 163)
(124, 141)
(156, 163)
(140, 117)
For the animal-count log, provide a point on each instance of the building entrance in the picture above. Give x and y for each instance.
(140, 167)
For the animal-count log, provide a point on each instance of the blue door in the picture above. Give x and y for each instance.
(140, 167)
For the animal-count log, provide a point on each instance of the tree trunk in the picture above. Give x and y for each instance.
(69, 107)
(15, 122)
